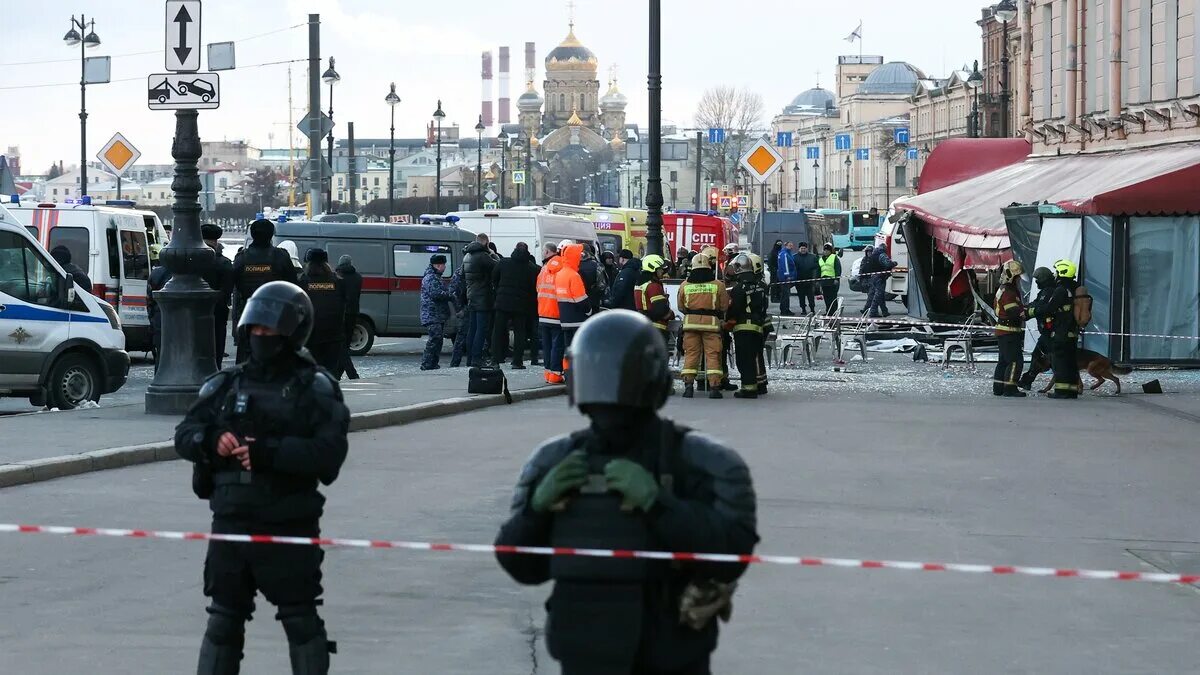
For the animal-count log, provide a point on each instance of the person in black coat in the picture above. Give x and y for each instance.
(219, 277)
(514, 280)
(610, 269)
(478, 262)
(328, 297)
(352, 281)
(593, 277)
(772, 261)
(620, 296)
(256, 265)
(62, 255)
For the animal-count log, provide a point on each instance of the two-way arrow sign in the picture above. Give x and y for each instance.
(183, 36)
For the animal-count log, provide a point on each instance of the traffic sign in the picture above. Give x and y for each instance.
(518, 177)
(184, 91)
(783, 139)
(761, 160)
(325, 124)
(862, 154)
(912, 153)
(183, 36)
(743, 201)
(736, 217)
(841, 142)
(812, 152)
(490, 195)
(835, 196)
(726, 204)
(902, 136)
(118, 154)
(490, 206)
(716, 135)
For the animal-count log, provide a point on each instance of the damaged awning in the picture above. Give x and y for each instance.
(958, 159)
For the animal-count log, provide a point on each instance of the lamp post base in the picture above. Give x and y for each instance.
(187, 348)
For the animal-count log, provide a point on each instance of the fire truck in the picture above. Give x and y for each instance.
(695, 230)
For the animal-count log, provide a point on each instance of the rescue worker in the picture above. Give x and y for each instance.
(877, 282)
(435, 310)
(651, 297)
(574, 305)
(683, 263)
(261, 435)
(768, 326)
(747, 312)
(1063, 339)
(256, 265)
(831, 276)
(1037, 310)
(219, 277)
(328, 297)
(631, 480)
(703, 301)
(549, 323)
(1010, 331)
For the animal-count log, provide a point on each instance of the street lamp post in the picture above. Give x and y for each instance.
(529, 195)
(796, 173)
(503, 138)
(517, 166)
(846, 197)
(654, 198)
(1006, 11)
(330, 77)
(973, 83)
(392, 99)
(72, 38)
(479, 163)
(438, 115)
(816, 172)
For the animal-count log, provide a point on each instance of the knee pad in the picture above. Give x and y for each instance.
(226, 626)
(301, 623)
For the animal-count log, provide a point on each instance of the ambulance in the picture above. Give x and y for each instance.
(616, 228)
(111, 240)
(62, 347)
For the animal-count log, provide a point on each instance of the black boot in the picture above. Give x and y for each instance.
(715, 393)
(997, 389)
(219, 659)
(1062, 395)
(689, 391)
(312, 657)
(1011, 391)
(1026, 382)
(745, 393)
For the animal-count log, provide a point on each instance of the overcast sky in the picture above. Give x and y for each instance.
(432, 50)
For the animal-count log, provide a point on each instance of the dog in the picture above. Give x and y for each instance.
(1096, 365)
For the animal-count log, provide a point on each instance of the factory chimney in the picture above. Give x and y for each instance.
(505, 101)
(487, 89)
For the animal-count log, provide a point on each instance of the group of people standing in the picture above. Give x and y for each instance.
(793, 266)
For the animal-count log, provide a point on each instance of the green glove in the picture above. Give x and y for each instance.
(567, 475)
(633, 481)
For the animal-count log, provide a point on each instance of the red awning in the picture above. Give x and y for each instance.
(958, 159)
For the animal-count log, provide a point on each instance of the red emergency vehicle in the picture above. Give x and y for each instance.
(695, 230)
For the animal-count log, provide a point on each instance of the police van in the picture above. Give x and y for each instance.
(59, 345)
(111, 241)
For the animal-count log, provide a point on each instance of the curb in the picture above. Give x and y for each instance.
(49, 468)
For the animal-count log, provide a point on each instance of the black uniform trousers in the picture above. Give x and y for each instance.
(289, 577)
(520, 327)
(328, 355)
(807, 290)
(1012, 360)
(829, 291)
(220, 330)
(1041, 354)
(749, 354)
(1066, 368)
(347, 365)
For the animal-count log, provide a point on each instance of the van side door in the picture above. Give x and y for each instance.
(135, 272)
(31, 324)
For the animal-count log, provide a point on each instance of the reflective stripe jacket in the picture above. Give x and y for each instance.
(748, 307)
(651, 300)
(831, 267)
(1010, 311)
(547, 298)
(703, 301)
(573, 304)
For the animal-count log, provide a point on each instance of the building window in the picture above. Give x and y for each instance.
(224, 182)
(376, 181)
(901, 177)
(341, 180)
(1164, 279)
(162, 195)
(55, 192)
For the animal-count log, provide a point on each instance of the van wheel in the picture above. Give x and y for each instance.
(362, 337)
(73, 380)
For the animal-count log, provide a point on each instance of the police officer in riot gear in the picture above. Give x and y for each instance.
(631, 480)
(1039, 310)
(261, 436)
(747, 313)
(258, 264)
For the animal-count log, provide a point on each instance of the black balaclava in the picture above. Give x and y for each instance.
(619, 428)
(266, 350)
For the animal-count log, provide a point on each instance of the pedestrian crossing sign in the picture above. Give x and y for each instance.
(518, 177)
(726, 203)
(490, 206)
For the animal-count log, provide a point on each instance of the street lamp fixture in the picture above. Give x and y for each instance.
(438, 116)
(816, 169)
(479, 128)
(796, 174)
(1006, 11)
(846, 197)
(71, 39)
(330, 77)
(973, 83)
(503, 138)
(392, 99)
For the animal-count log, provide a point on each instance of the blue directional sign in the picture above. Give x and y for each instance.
(716, 135)
(913, 153)
(841, 142)
(862, 154)
(902, 136)
(783, 139)
(812, 152)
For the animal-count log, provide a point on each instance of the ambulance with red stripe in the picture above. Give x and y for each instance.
(111, 241)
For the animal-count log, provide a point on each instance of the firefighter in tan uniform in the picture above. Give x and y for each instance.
(703, 301)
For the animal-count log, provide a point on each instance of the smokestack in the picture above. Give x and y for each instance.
(530, 63)
(487, 89)
(505, 101)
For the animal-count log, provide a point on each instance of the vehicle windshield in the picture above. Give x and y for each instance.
(839, 223)
(609, 242)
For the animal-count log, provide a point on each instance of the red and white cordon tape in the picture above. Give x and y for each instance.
(1061, 573)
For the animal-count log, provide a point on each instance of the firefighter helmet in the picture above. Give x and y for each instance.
(1011, 271)
(653, 263)
(1044, 277)
(1065, 269)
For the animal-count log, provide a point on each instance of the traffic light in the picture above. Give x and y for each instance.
(714, 198)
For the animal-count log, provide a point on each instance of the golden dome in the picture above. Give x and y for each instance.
(571, 55)
(534, 142)
(574, 121)
(616, 143)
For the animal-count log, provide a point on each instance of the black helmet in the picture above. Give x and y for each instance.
(283, 307)
(618, 358)
(1044, 277)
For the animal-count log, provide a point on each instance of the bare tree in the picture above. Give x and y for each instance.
(891, 154)
(739, 112)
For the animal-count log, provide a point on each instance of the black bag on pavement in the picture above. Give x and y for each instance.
(488, 381)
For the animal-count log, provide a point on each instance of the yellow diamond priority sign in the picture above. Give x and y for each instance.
(118, 154)
(762, 160)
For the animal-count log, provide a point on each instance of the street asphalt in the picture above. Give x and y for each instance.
(926, 469)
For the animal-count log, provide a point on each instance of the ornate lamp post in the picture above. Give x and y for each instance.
(1006, 11)
(392, 99)
(973, 83)
(330, 77)
(816, 191)
(85, 43)
(503, 138)
(846, 197)
(438, 116)
(479, 163)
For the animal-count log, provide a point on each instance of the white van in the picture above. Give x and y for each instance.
(506, 227)
(111, 242)
(891, 238)
(59, 345)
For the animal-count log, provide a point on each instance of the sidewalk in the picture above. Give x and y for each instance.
(38, 436)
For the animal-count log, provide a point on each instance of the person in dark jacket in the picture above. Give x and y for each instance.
(807, 267)
(515, 282)
(257, 264)
(458, 298)
(219, 277)
(477, 267)
(328, 297)
(159, 276)
(62, 255)
(352, 281)
(877, 282)
(608, 262)
(683, 261)
(620, 296)
(831, 275)
(785, 269)
(261, 436)
(435, 310)
(631, 480)
(772, 261)
(593, 277)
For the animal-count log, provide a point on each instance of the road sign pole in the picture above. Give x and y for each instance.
(315, 172)
(762, 219)
(186, 302)
(699, 170)
(118, 187)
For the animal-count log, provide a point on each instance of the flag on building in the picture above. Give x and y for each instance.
(856, 35)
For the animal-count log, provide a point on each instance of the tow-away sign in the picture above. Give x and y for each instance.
(183, 36)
